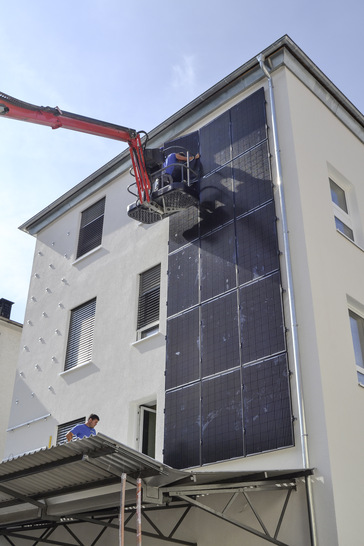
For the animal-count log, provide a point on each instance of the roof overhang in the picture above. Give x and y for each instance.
(283, 52)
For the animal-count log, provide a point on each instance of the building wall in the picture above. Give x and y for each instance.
(327, 268)
(10, 334)
(114, 384)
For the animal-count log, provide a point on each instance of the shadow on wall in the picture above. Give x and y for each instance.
(31, 426)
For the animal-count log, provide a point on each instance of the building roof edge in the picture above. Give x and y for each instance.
(121, 163)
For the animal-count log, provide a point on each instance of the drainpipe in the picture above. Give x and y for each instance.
(291, 302)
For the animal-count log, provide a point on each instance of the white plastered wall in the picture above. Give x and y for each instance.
(327, 268)
(10, 335)
(121, 374)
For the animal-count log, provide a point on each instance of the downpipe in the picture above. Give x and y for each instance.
(291, 302)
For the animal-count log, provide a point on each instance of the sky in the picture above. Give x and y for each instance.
(133, 64)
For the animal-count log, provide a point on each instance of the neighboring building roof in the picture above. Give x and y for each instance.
(283, 52)
(11, 322)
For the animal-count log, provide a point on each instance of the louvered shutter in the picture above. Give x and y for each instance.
(92, 221)
(80, 337)
(149, 295)
(65, 427)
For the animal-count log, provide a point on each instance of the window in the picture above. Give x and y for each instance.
(92, 221)
(148, 418)
(148, 303)
(80, 337)
(357, 333)
(342, 219)
(63, 429)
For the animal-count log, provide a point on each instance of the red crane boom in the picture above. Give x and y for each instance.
(56, 118)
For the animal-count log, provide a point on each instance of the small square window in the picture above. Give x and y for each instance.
(340, 226)
(338, 196)
(343, 221)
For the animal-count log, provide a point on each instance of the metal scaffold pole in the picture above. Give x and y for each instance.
(122, 510)
(139, 512)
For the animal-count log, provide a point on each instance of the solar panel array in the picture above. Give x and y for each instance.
(227, 378)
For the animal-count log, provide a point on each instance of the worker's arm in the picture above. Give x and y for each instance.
(182, 157)
(69, 436)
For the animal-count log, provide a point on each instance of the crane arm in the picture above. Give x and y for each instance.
(56, 118)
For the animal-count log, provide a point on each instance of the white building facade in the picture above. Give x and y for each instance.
(228, 338)
(10, 334)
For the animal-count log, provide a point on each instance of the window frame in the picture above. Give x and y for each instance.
(147, 409)
(80, 337)
(147, 287)
(358, 315)
(85, 243)
(341, 215)
(63, 428)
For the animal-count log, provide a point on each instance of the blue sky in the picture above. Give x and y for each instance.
(134, 64)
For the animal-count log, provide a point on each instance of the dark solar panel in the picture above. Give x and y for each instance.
(220, 335)
(252, 178)
(224, 302)
(182, 427)
(261, 317)
(183, 283)
(222, 430)
(215, 147)
(257, 244)
(248, 122)
(218, 262)
(216, 199)
(267, 406)
(183, 144)
(183, 228)
(183, 359)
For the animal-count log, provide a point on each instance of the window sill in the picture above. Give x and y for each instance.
(65, 372)
(350, 240)
(144, 340)
(90, 253)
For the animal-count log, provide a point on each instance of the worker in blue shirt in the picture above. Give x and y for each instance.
(84, 429)
(172, 165)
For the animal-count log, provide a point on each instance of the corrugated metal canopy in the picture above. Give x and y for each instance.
(77, 466)
(80, 482)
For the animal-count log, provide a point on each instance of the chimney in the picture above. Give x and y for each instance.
(5, 308)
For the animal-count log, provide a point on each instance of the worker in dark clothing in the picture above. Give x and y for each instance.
(84, 429)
